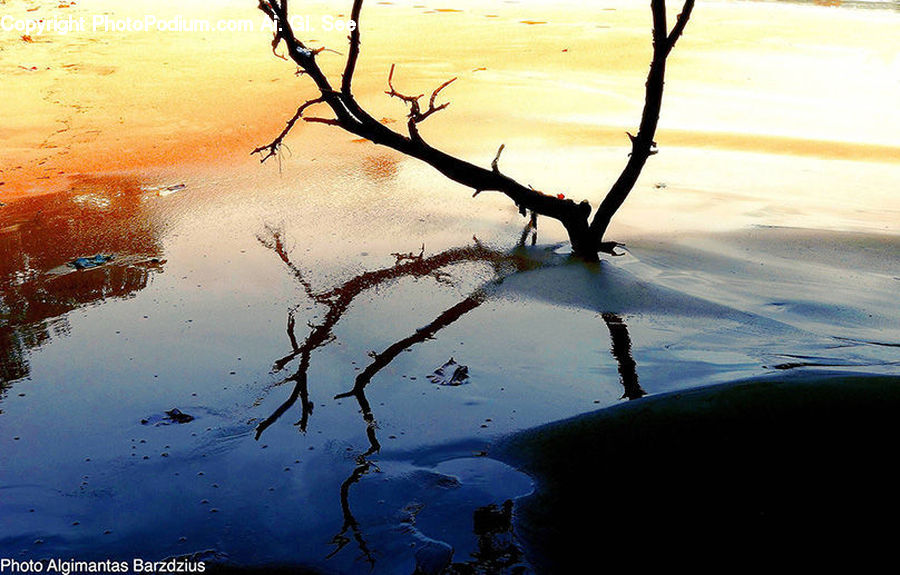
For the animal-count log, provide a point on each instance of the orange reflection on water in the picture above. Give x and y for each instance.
(40, 235)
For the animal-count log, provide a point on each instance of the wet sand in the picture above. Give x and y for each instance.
(769, 470)
(761, 248)
(750, 77)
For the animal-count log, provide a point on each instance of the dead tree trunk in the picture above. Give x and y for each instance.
(585, 234)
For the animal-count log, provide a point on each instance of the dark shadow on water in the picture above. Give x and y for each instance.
(498, 548)
(792, 468)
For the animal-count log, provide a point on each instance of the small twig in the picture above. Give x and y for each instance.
(318, 51)
(494, 164)
(411, 100)
(409, 256)
(680, 24)
(431, 107)
(328, 121)
(273, 148)
(416, 115)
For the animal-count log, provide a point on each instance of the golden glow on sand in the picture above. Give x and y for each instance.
(769, 78)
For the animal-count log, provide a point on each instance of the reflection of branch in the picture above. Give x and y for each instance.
(388, 355)
(621, 351)
(350, 116)
(496, 546)
(350, 523)
(338, 300)
(408, 265)
(300, 390)
(384, 358)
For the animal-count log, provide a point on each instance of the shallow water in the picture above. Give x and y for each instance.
(193, 312)
(250, 297)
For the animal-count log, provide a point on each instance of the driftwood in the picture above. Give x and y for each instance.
(585, 233)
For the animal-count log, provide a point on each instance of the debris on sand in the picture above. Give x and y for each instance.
(174, 415)
(163, 191)
(451, 373)
(171, 189)
(90, 262)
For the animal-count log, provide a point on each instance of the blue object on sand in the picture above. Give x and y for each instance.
(92, 262)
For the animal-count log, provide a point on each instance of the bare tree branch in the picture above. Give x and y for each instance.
(495, 163)
(353, 55)
(680, 24)
(327, 121)
(643, 145)
(416, 115)
(272, 148)
(586, 236)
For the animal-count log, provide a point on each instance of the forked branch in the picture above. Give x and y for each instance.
(272, 148)
(586, 235)
(416, 115)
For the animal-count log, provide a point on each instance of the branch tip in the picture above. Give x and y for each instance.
(494, 164)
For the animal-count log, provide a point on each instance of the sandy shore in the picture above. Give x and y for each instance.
(754, 78)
